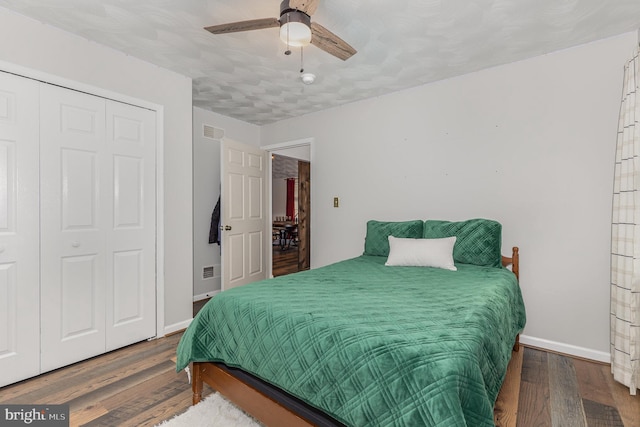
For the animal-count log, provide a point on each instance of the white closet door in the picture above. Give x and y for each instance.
(130, 280)
(19, 226)
(74, 221)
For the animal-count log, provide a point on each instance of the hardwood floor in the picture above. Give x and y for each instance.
(133, 386)
(285, 261)
(198, 305)
(138, 386)
(556, 390)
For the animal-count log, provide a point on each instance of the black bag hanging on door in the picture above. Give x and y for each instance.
(214, 230)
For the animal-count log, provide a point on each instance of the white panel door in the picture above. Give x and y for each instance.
(130, 277)
(243, 219)
(19, 227)
(74, 221)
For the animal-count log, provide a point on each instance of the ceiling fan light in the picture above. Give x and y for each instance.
(295, 33)
(295, 27)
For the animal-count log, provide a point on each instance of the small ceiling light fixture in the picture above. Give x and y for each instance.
(308, 78)
(295, 28)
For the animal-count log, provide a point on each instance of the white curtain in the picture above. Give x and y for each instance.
(625, 237)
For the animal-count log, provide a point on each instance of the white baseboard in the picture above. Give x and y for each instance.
(585, 353)
(205, 295)
(177, 327)
(180, 326)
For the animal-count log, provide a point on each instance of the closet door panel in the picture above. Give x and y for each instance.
(79, 192)
(78, 287)
(131, 283)
(19, 225)
(74, 222)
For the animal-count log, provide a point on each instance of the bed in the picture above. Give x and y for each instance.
(361, 342)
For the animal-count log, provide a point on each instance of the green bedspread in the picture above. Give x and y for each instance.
(370, 344)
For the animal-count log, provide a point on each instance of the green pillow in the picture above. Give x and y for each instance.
(378, 232)
(478, 241)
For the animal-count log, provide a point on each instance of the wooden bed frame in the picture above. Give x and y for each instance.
(263, 408)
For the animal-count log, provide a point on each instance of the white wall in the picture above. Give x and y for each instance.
(530, 144)
(300, 153)
(206, 189)
(48, 50)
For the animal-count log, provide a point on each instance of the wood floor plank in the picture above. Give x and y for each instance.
(565, 401)
(84, 415)
(506, 409)
(103, 393)
(598, 402)
(590, 382)
(148, 389)
(534, 368)
(197, 305)
(533, 404)
(628, 406)
(125, 406)
(533, 407)
(166, 409)
(599, 415)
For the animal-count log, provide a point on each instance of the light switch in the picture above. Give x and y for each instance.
(336, 202)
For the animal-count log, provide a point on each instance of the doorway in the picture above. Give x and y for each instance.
(290, 206)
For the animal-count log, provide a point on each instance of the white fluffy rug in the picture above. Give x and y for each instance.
(214, 411)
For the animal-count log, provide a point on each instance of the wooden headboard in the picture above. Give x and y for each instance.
(513, 261)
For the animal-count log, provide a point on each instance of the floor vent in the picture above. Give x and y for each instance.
(209, 131)
(207, 272)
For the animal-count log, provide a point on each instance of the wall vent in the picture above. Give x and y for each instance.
(211, 132)
(207, 272)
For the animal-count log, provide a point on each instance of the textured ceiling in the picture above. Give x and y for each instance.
(400, 43)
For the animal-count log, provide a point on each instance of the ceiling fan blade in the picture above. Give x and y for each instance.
(307, 6)
(330, 43)
(234, 27)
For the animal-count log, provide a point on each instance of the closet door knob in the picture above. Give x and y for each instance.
(75, 244)
(227, 227)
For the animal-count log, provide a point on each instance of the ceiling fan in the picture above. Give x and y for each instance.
(296, 28)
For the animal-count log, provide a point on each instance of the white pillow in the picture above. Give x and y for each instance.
(421, 252)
